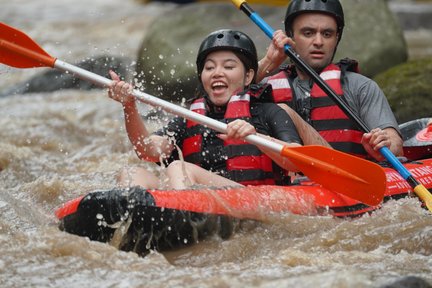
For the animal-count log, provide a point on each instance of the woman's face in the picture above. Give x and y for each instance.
(223, 76)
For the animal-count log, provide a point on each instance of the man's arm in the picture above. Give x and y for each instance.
(275, 55)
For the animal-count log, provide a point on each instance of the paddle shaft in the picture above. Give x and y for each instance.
(419, 189)
(165, 105)
(46, 60)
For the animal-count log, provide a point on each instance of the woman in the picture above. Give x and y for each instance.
(227, 65)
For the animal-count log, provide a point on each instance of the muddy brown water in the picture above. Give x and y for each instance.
(57, 146)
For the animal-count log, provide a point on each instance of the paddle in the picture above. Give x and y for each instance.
(348, 175)
(418, 188)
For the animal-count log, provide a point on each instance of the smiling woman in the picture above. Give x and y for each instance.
(226, 66)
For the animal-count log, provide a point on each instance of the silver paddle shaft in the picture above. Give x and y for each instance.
(165, 105)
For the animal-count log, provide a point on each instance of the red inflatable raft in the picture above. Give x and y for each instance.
(417, 136)
(157, 219)
(139, 220)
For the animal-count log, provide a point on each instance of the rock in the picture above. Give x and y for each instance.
(53, 79)
(409, 282)
(373, 36)
(408, 89)
(413, 16)
(166, 61)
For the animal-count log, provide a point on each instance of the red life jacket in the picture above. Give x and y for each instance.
(245, 163)
(325, 115)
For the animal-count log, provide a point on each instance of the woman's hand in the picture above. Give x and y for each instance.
(238, 129)
(120, 90)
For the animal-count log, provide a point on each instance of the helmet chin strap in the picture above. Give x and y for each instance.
(211, 106)
(337, 44)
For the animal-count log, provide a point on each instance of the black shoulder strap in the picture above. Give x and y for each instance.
(347, 64)
(261, 92)
(289, 70)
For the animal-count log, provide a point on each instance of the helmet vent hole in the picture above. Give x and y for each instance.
(220, 36)
(237, 37)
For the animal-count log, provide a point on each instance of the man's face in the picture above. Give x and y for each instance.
(316, 38)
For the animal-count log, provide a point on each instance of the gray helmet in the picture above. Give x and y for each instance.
(227, 39)
(331, 7)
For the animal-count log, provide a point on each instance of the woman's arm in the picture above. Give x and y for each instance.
(147, 147)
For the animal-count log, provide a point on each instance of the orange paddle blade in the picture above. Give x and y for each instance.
(20, 51)
(351, 176)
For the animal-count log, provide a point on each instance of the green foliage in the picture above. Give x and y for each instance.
(408, 88)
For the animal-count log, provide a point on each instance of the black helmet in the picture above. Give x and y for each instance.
(227, 39)
(332, 7)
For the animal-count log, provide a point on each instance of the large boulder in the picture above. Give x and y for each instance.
(408, 88)
(409, 282)
(166, 61)
(373, 36)
(413, 16)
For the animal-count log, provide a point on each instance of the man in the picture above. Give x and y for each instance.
(315, 28)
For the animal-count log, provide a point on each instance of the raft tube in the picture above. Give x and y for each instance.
(417, 137)
(160, 219)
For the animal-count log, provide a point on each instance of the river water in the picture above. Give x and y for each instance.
(57, 146)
